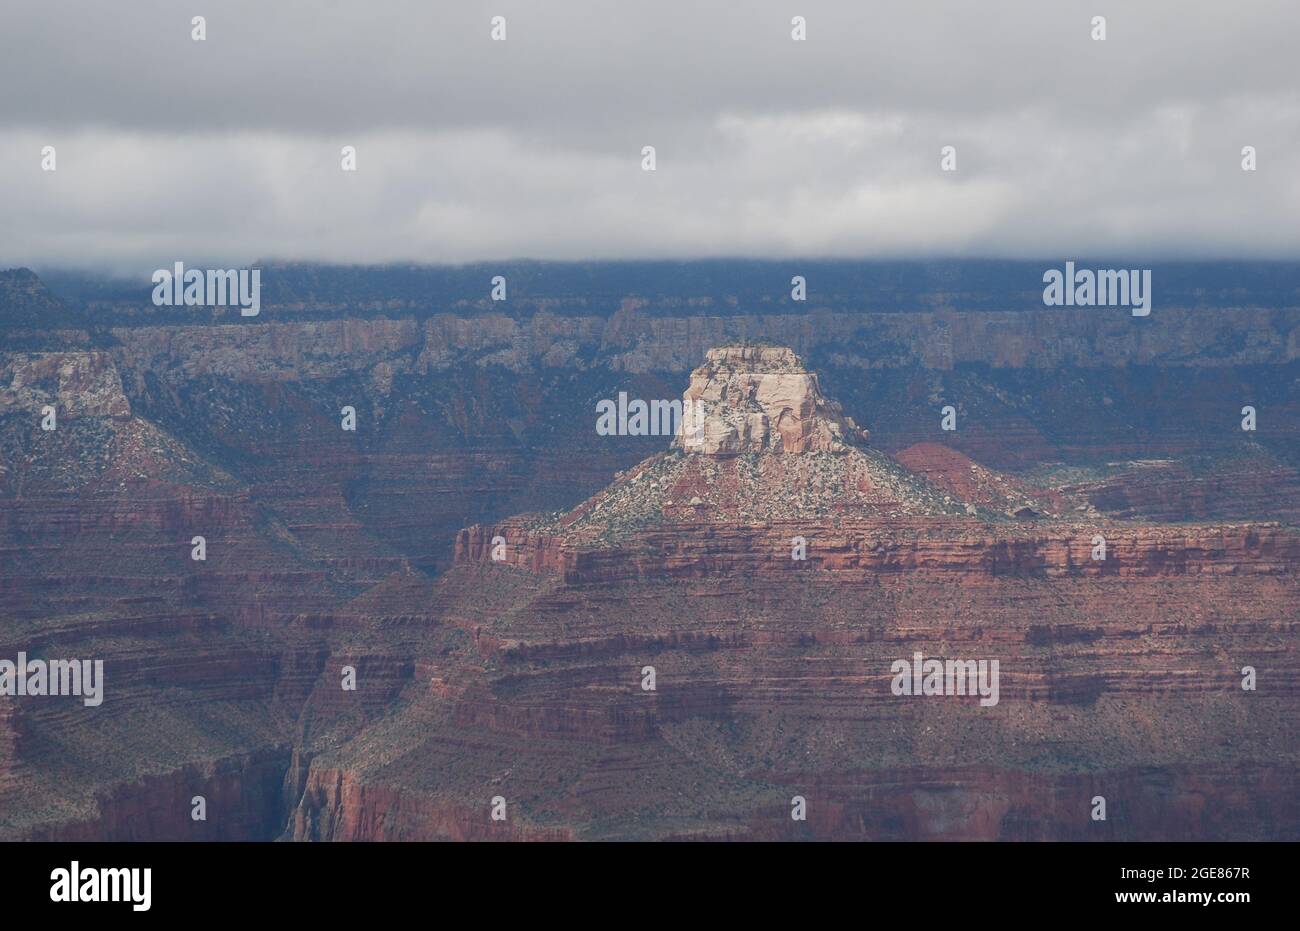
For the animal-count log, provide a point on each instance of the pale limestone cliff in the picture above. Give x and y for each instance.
(77, 384)
(750, 398)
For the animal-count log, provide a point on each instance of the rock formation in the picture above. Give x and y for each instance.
(755, 399)
(521, 676)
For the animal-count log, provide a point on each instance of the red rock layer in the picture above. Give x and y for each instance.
(866, 548)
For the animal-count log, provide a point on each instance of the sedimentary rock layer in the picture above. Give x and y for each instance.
(522, 677)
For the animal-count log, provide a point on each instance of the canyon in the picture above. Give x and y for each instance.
(521, 677)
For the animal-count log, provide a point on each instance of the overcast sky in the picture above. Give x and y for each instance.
(229, 149)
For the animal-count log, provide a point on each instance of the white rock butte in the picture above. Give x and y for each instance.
(760, 399)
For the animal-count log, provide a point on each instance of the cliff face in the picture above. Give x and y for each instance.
(521, 676)
(774, 686)
(759, 399)
(82, 384)
(862, 550)
(339, 806)
(1037, 339)
(774, 641)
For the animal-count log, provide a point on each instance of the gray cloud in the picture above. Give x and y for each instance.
(470, 149)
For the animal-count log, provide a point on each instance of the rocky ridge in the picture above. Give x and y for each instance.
(759, 443)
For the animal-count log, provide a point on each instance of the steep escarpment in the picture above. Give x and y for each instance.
(861, 549)
(766, 688)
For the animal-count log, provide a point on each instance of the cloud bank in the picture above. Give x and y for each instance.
(469, 149)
